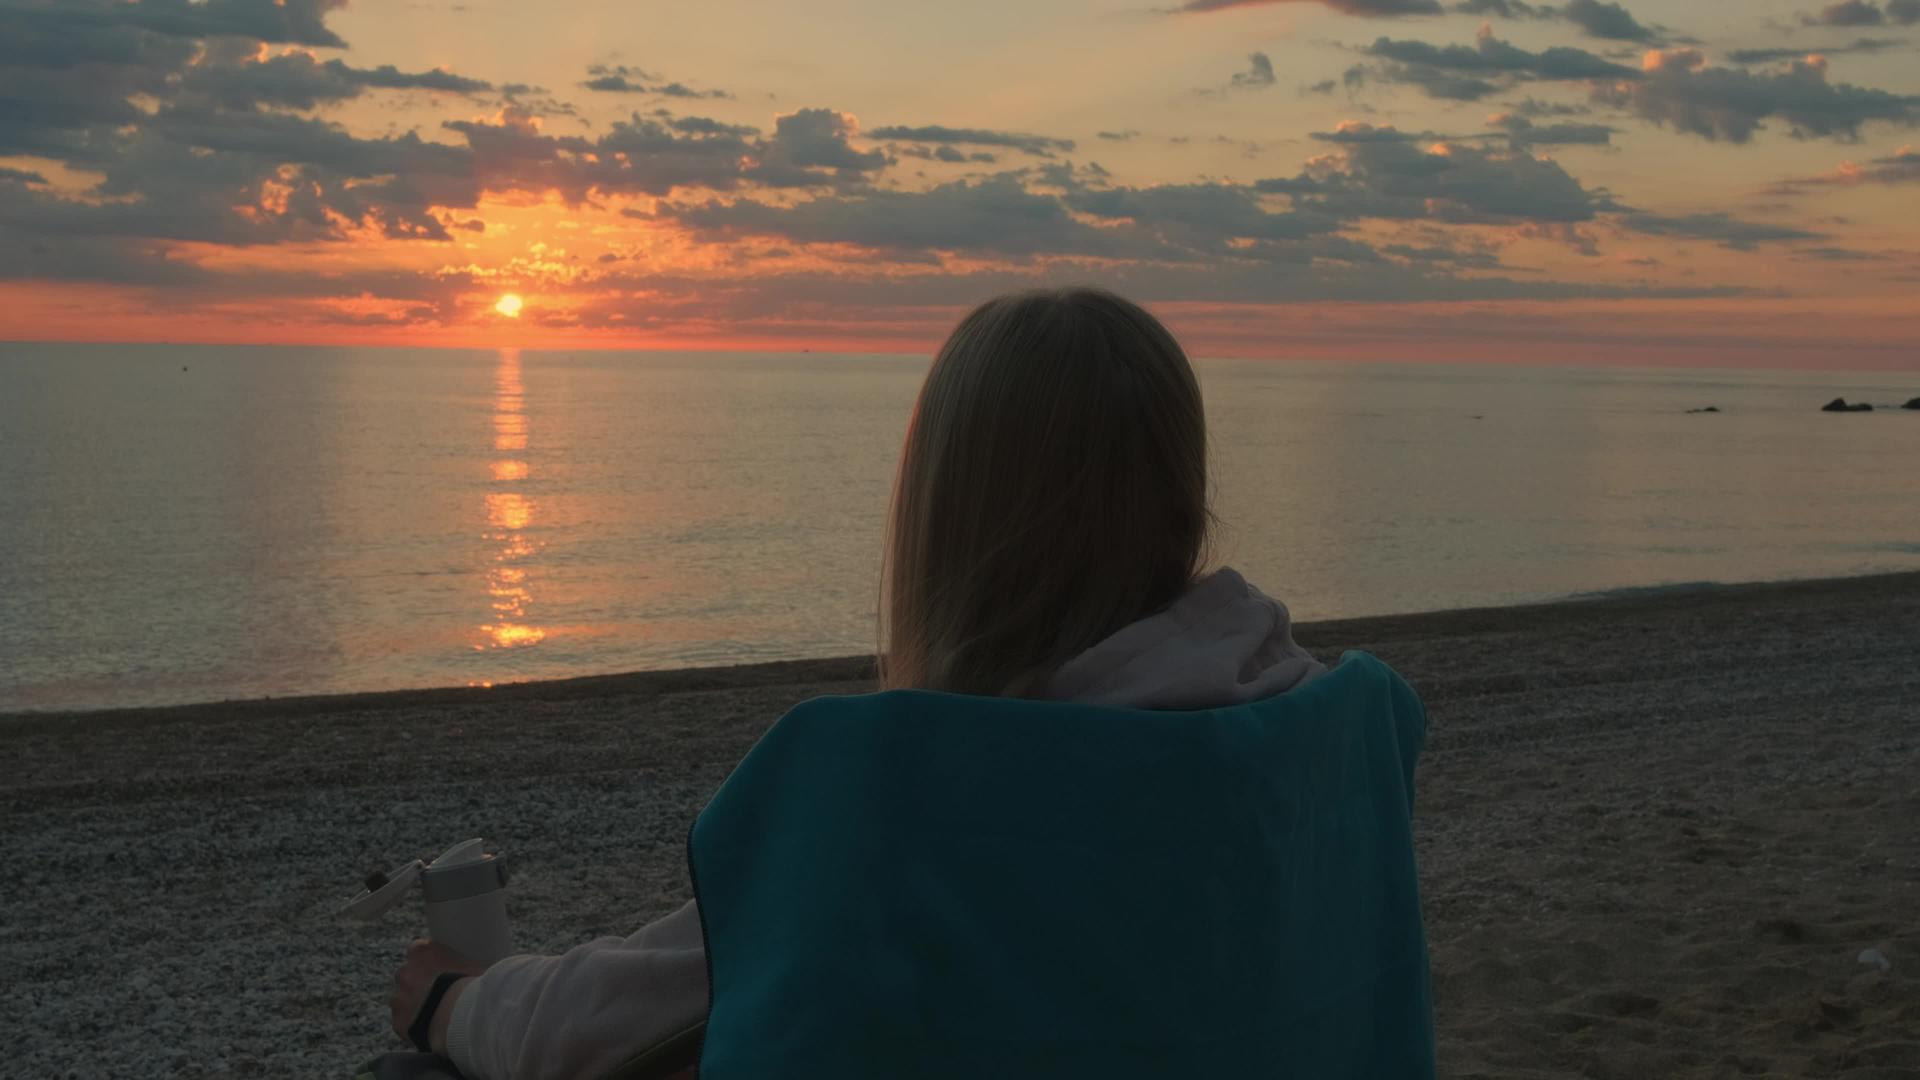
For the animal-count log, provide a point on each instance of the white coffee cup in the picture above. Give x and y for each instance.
(466, 900)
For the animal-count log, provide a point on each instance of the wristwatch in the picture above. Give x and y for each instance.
(423, 1020)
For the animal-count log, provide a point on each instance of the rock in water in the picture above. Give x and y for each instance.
(1839, 404)
(1913, 403)
(1710, 408)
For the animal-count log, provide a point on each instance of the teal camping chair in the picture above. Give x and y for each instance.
(929, 885)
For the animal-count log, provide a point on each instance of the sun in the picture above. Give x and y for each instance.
(508, 305)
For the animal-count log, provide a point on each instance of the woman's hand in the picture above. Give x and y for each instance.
(425, 960)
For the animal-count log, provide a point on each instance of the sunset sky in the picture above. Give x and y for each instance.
(1725, 182)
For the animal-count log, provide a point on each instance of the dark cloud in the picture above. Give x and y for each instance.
(294, 22)
(1211, 242)
(1505, 9)
(657, 156)
(813, 148)
(622, 79)
(946, 153)
(1377, 174)
(1900, 167)
(682, 90)
(71, 73)
(1679, 90)
(1864, 13)
(1259, 73)
(1004, 215)
(614, 84)
(638, 155)
(267, 140)
(20, 176)
(1118, 136)
(1468, 258)
(535, 101)
(1357, 131)
(197, 172)
(63, 37)
(998, 214)
(296, 80)
(1604, 20)
(1368, 8)
(1324, 86)
(1774, 56)
(1441, 84)
(1353, 80)
(1492, 56)
(1537, 108)
(1722, 229)
(704, 125)
(1839, 254)
(74, 65)
(1522, 133)
(386, 77)
(1037, 145)
(39, 256)
(1203, 218)
(161, 190)
(1473, 72)
(64, 71)
(1598, 18)
(1846, 13)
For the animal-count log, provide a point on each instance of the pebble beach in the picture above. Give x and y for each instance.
(1667, 834)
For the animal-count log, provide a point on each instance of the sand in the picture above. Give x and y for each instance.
(1655, 832)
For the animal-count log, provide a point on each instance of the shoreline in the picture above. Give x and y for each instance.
(841, 669)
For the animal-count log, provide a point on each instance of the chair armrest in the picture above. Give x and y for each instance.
(676, 1053)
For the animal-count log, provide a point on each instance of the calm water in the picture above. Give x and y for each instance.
(193, 523)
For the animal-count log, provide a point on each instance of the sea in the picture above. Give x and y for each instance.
(194, 523)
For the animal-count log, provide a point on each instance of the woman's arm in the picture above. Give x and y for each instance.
(585, 1012)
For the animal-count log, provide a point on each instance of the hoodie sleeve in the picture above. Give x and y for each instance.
(585, 1012)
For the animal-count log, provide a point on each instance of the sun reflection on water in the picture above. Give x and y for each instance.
(509, 515)
(506, 510)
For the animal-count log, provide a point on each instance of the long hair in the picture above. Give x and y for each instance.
(1053, 489)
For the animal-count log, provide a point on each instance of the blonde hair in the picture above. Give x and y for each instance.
(1053, 489)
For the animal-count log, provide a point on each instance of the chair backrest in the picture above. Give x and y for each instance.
(928, 885)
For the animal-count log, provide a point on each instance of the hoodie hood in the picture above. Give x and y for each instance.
(1223, 642)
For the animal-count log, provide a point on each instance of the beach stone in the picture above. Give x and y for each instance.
(1875, 958)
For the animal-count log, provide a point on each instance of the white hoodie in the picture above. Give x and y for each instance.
(590, 1010)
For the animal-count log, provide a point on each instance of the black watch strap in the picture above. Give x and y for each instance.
(423, 1020)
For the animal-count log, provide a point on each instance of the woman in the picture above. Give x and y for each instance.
(1048, 538)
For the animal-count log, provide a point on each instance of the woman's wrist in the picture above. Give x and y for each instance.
(442, 1016)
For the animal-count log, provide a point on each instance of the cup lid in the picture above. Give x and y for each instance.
(373, 902)
(460, 854)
